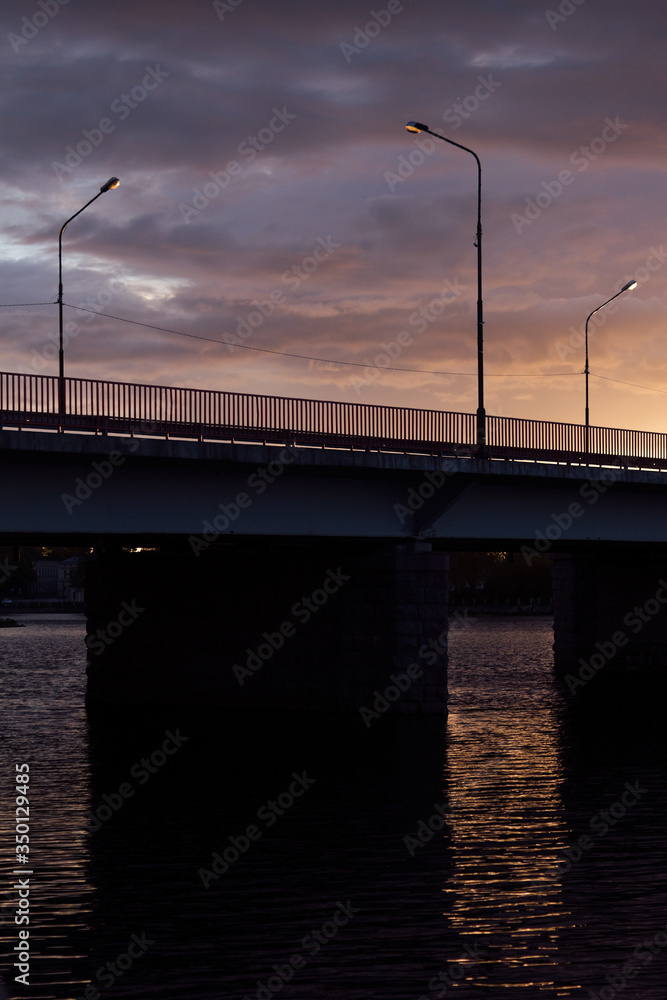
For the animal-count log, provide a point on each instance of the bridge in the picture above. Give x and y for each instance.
(250, 509)
(31, 402)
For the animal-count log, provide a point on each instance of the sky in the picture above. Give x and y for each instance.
(275, 214)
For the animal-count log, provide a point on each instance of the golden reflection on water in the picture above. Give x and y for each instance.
(507, 834)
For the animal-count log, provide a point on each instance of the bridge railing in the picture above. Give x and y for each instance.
(513, 437)
(523, 438)
(26, 396)
(91, 405)
(94, 405)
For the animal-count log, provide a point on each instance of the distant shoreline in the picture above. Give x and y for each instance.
(473, 610)
(509, 611)
(41, 607)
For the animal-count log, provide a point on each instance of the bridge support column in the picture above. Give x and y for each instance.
(329, 625)
(610, 620)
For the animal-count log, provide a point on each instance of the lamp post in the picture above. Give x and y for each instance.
(481, 414)
(626, 288)
(112, 183)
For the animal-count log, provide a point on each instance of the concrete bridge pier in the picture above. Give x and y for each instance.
(610, 621)
(268, 624)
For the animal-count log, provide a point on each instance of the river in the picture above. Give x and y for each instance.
(517, 850)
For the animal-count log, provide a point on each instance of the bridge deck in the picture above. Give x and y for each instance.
(30, 402)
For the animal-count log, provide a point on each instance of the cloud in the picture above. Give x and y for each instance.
(320, 172)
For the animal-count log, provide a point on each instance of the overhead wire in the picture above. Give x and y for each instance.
(14, 305)
(328, 361)
(608, 378)
(308, 357)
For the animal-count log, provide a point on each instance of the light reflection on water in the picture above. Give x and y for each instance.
(481, 904)
(508, 825)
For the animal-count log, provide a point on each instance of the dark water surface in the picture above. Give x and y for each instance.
(329, 892)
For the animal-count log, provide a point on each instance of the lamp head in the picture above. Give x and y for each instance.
(112, 183)
(630, 285)
(416, 127)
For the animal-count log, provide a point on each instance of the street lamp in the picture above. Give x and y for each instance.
(626, 288)
(112, 183)
(481, 415)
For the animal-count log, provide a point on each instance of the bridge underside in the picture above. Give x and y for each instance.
(247, 535)
(79, 487)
